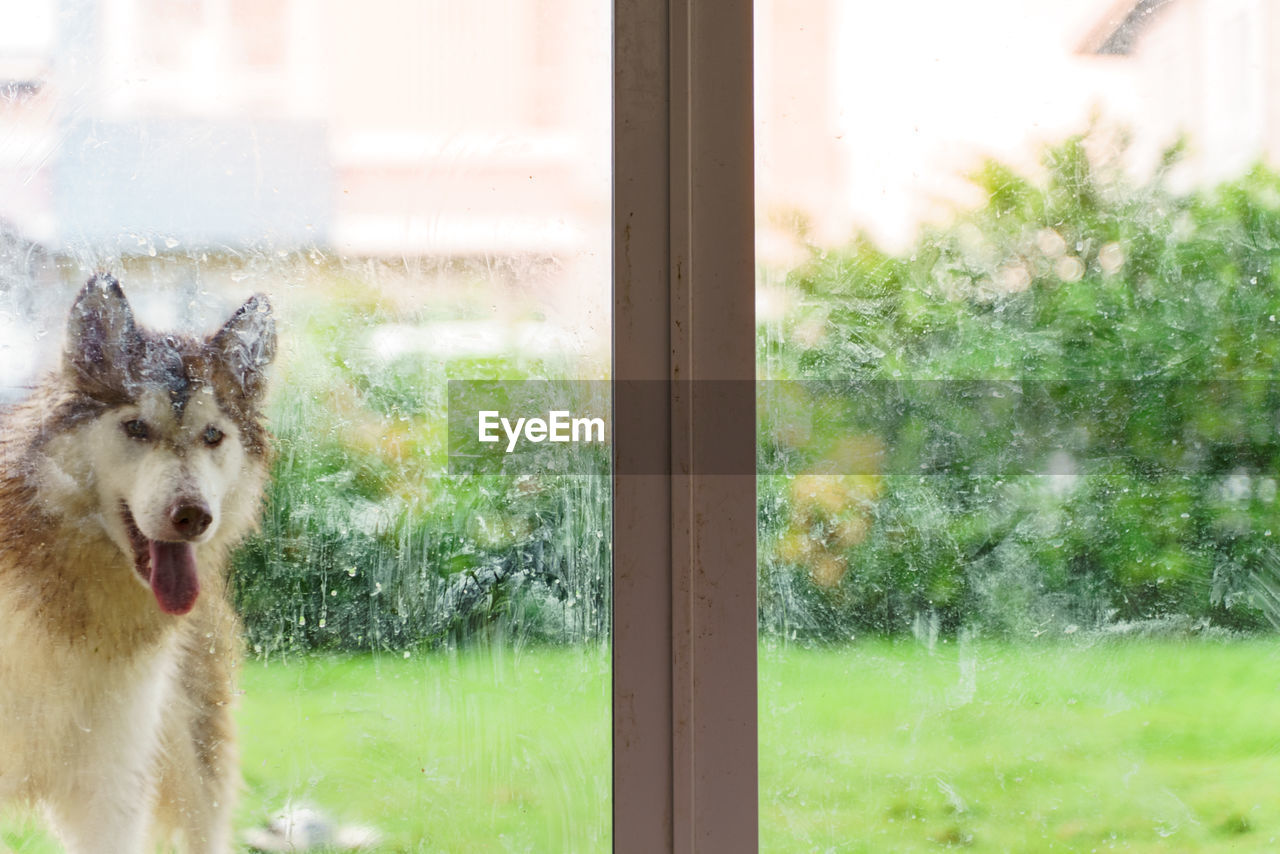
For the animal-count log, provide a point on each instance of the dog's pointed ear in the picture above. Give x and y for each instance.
(102, 339)
(245, 346)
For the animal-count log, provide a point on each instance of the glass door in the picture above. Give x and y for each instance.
(1017, 345)
(421, 193)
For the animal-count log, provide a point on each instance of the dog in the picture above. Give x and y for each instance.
(126, 479)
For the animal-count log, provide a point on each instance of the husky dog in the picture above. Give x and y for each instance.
(125, 480)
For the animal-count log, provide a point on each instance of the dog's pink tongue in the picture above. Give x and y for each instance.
(173, 576)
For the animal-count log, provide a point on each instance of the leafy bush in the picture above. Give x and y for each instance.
(914, 514)
(367, 542)
(1169, 506)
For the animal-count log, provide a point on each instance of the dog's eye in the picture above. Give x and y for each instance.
(136, 429)
(212, 436)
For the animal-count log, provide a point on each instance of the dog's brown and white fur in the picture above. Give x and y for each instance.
(125, 480)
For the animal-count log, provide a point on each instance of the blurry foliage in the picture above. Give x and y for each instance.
(1085, 275)
(367, 543)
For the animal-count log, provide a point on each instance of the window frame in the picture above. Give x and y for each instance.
(685, 764)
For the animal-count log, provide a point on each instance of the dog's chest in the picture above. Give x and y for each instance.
(72, 717)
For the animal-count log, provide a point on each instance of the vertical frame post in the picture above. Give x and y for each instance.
(684, 737)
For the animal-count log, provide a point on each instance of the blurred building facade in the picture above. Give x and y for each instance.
(395, 128)
(871, 115)
(385, 128)
(1205, 69)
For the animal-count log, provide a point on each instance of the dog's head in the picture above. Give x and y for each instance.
(164, 439)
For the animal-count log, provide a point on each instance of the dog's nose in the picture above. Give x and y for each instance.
(190, 519)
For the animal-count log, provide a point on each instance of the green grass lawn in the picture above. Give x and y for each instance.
(876, 747)
(494, 750)
(1125, 745)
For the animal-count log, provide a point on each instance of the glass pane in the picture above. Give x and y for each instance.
(1018, 350)
(420, 194)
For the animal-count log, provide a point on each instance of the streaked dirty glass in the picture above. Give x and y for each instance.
(1017, 302)
(422, 191)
